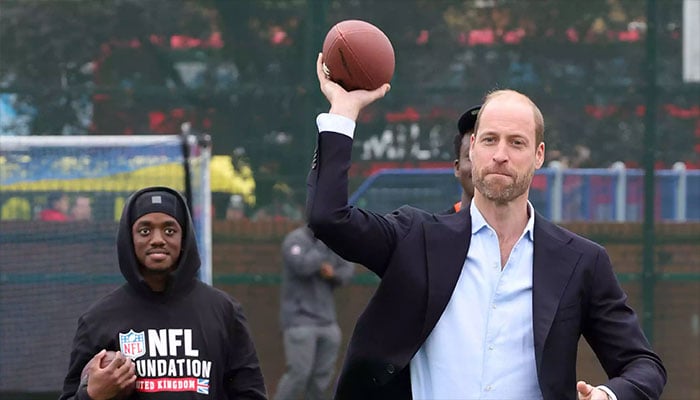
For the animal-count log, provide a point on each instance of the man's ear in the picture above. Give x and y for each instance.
(539, 154)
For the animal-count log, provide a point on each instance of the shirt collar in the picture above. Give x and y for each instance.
(479, 223)
(530, 226)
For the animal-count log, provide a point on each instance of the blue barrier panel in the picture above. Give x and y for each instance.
(596, 194)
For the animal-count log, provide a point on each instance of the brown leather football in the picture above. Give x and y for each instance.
(358, 55)
(106, 360)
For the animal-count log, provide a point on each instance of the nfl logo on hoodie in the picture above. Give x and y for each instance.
(132, 344)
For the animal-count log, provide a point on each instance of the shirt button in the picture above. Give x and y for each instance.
(488, 388)
(493, 306)
(490, 347)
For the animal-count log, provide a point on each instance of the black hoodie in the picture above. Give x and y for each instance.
(189, 342)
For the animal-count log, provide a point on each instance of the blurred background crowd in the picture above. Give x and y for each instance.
(242, 71)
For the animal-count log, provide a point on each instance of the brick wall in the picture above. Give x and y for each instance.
(253, 250)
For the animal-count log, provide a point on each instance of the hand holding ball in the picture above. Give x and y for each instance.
(358, 55)
(104, 362)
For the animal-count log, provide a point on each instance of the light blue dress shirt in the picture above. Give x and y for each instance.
(482, 347)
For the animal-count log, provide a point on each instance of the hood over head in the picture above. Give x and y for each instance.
(168, 201)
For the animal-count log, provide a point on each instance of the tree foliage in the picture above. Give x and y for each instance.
(47, 48)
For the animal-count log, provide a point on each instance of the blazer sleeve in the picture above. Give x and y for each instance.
(355, 234)
(614, 333)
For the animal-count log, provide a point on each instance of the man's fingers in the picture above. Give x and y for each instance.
(126, 372)
(380, 91)
(100, 355)
(118, 361)
(584, 390)
(319, 68)
(130, 381)
(97, 360)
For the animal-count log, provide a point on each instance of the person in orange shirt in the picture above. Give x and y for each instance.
(463, 165)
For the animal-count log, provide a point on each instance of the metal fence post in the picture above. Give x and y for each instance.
(681, 191)
(556, 194)
(620, 191)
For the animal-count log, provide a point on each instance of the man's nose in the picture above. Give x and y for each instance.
(500, 154)
(157, 237)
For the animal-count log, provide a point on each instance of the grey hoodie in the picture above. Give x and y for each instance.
(307, 298)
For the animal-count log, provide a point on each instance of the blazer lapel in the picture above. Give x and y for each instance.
(446, 247)
(552, 268)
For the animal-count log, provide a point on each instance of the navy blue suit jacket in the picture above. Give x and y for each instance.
(419, 256)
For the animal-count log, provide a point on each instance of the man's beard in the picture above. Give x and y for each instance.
(499, 193)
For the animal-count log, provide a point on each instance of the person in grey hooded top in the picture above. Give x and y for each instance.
(307, 315)
(175, 336)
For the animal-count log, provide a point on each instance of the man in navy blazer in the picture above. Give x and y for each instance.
(489, 302)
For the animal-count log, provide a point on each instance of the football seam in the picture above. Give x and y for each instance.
(354, 56)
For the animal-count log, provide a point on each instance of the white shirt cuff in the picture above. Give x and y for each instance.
(607, 390)
(335, 123)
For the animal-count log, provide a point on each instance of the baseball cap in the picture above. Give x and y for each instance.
(468, 119)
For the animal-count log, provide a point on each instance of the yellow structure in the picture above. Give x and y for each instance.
(223, 179)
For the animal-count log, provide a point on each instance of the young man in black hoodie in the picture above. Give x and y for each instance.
(175, 337)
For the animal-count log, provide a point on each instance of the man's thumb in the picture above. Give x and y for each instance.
(583, 388)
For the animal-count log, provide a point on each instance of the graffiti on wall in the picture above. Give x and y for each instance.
(409, 141)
